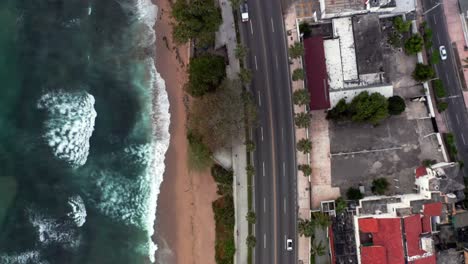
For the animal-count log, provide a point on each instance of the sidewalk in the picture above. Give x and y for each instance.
(303, 184)
(226, 35)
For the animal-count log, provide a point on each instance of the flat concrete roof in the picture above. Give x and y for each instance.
(333, 63)
(343, 29)
(368, 42)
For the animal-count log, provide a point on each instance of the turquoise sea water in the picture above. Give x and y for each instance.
(83, 131)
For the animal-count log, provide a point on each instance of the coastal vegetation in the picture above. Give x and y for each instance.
(206, 73)
(199, 156)
(224, 213)
(217, 118)
(197, 20)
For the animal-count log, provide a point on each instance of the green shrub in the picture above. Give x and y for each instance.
(414, 44)
(451, 146)
(301, 97)
(435, 58)
(354, 194)
(380, 186)
(396, 105)
(400, 25)
(439, 89)
(296, 50)
(304, 145)
(305, 168)
(442, 106)
(423, 72)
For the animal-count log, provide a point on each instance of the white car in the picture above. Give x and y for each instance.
(244, 12)
(289, 244)
(443, 52)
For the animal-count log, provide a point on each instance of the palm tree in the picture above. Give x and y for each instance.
(304, 145)
(317, 249)
(305, 228)
(302, 120)
(321, 219)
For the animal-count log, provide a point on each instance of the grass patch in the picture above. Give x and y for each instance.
(439, 89)
(451, 147)
(224, 213)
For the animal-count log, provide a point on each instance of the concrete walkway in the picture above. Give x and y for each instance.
(227, 36)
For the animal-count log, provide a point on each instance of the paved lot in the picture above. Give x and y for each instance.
(361, 152)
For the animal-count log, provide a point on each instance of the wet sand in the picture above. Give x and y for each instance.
(185, 228)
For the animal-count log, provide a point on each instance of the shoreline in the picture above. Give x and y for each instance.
(185, 226)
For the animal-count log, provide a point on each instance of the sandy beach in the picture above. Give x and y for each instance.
(185, 228)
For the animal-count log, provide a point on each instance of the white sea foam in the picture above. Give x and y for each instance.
(23, 258)
(50, 230)
(78, 210)
(70, 124)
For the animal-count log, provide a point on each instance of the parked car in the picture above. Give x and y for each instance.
(443, 52)
(244, 12)
(289, 244)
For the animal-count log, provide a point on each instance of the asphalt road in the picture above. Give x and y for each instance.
(274, 158)
(456, 114)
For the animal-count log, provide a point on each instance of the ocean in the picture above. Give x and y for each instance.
(84, 127)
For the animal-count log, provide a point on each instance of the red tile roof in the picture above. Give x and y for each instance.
(433, 209)
(413, 229)
(373, 255)
(368, 225)
(429, 260)
(390, 237)
(421, 171)
(316, 72)
(426, 224)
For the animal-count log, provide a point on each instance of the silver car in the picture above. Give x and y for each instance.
(443, 52)
(289, 244)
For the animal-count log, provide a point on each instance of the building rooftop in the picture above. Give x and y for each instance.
(368, 41)
(390, 237)
(413, 228)
(371, 206)
(316, 72)
(343, 6)
(373, 255)
(343, 30)
(433, 209)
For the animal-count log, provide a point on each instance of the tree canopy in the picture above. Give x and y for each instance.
(354, 194)
(219, 117)
(305, 228)
(423, 72)
(380, 186)
(199, 20)
(414, 44)
(396, 105)
(400, 25)
(305, 168)
(205, 74)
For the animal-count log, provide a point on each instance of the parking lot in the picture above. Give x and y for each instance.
(361, 152)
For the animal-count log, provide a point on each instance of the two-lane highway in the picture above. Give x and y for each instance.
(456, 114)
(275, 161)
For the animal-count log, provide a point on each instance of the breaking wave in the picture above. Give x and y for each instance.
(69, 125)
